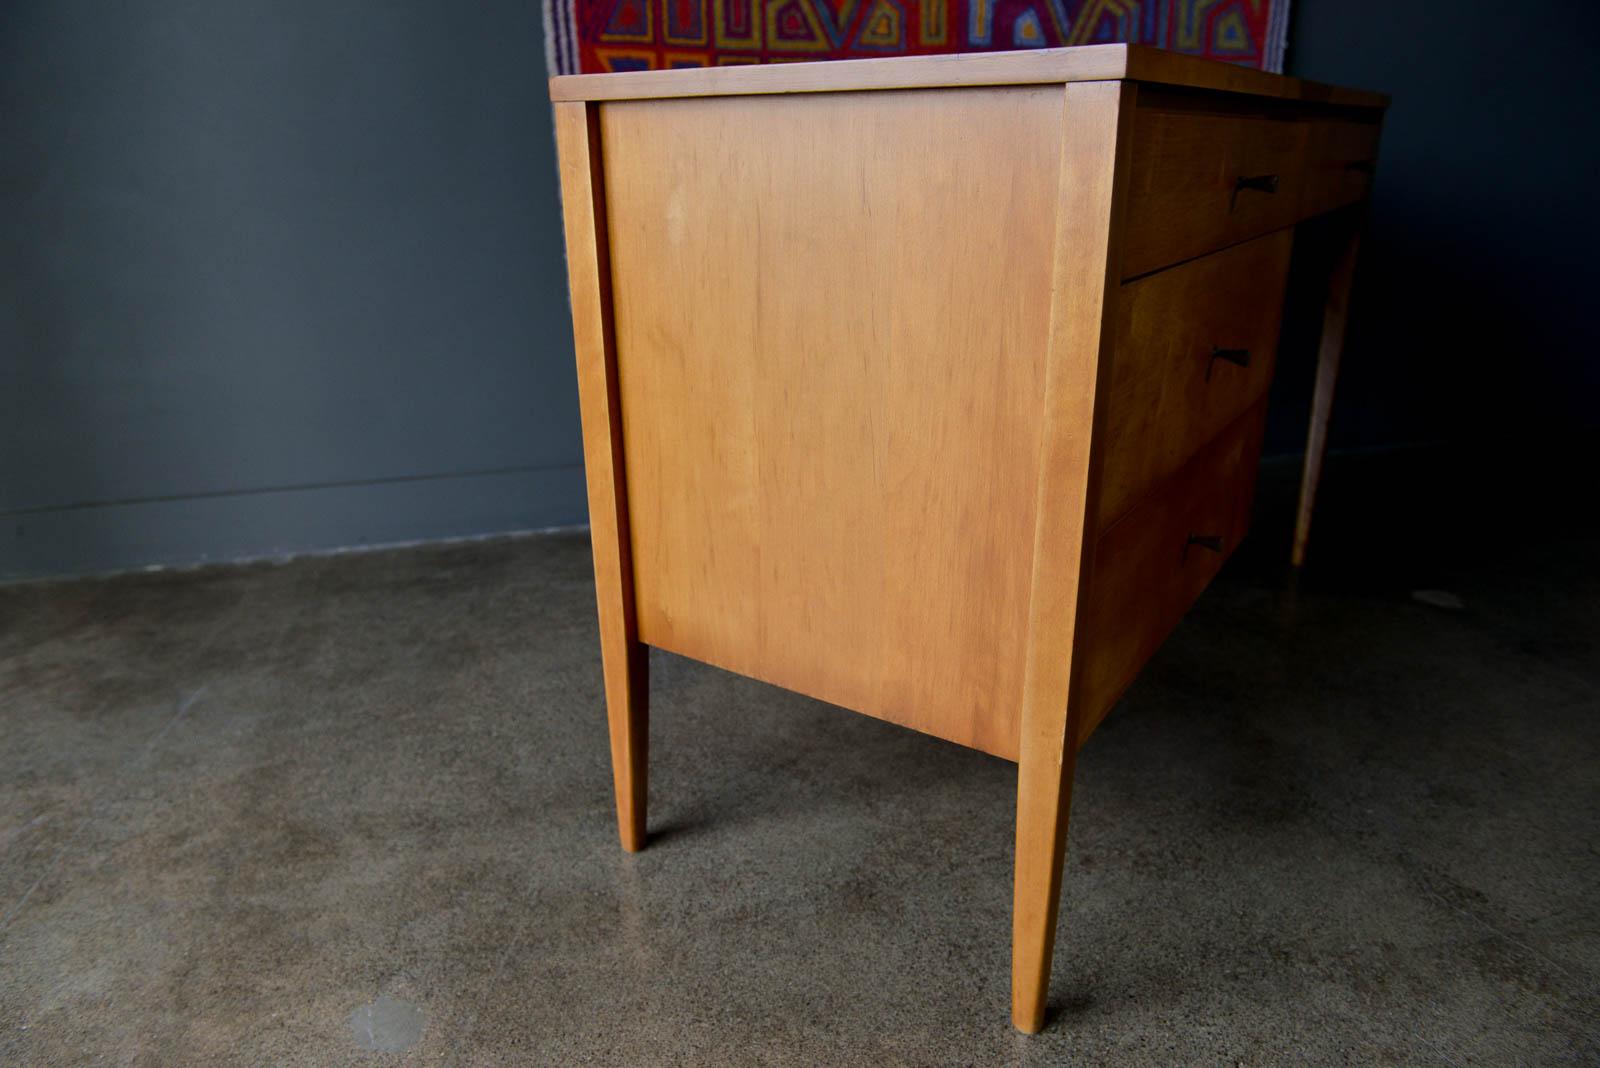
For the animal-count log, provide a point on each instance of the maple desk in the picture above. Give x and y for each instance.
(933, 387)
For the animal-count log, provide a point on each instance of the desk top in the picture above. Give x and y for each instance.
(1086, 63)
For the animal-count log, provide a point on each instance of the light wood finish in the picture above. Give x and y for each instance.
(1335, 315)
(1186, 199)
(899, 399)
(623, 660)
(1170, 390)
(1095, 122)
(1040, 67)
(832, 477)
(1035, 67)
(1147, 573)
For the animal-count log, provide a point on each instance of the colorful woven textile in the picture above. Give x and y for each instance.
(613, 35)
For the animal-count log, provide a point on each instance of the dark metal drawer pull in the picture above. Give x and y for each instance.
(1237, 357)
(1365, 166)
(1204, 541)
(1261, 183)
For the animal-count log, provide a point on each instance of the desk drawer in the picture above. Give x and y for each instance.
(1150, 566)
(1176, 376)
(1339, 164)
(1202, 181)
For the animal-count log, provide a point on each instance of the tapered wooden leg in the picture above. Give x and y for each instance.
(1044, 797)
(627, 673)
(1094, 139)
(623, 657)
(1336, 313)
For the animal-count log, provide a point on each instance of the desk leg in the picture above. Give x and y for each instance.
(1335, 314)
(1094, 152)
(623, 658)
(1044, 798)
(626, 665)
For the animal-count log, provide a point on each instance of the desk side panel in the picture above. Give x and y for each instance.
(831, 317)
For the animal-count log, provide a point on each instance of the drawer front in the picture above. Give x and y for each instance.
(1339, 165)
(1200, 182)
(1195, 348)
(1150, 566)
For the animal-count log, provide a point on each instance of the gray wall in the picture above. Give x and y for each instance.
(276, 276)
(287, 275)
(1473, 319)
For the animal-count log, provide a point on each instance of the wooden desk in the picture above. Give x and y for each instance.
(933, 387)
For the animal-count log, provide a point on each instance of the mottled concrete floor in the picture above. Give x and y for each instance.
(356, 810)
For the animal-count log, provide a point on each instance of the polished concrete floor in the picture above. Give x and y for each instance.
(356, 810)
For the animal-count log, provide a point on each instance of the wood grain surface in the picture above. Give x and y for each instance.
(623, 660)
(1185, 192)
(1170, 390)
(831, 329)
(1092, 171)
(1147, 572)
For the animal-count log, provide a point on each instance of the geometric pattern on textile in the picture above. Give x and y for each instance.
(593, 36)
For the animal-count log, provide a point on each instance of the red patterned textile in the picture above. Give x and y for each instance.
(590, 36)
